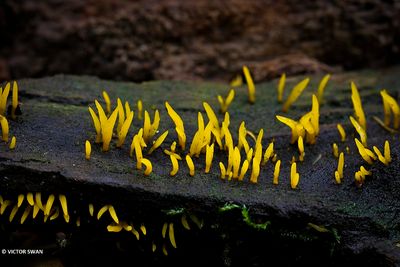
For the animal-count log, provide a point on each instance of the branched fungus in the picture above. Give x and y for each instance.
(225, 103)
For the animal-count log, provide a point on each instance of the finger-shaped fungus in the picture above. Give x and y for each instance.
(225, 103)
(148, 165)
(295, 93)
(158, 142)
(13, 142)
(91, 209)
(390, 107)
(362, 151)
(4, 128)
(342, 133)
(175, 165)
(121, 115)
(26, 214)
(179, 128)
(20, 200)
(209, 157)
(250, 85)
(386, 153)
(335, 150)
(49, 204)
(124, 129)
(255, 171)
(185, 222)
(114, 228)
(13, 212)
(236, 81)
(281, 87)
(292, 125)
(140, 109)
(322, 86)
(360, 130)
(64, 205)
(357, 105)
(3, 99)
(38, 200)
(14, 102)
(108, 102)
(190, 164)
(300, 145)
(102, 211)
(211, 115)
(236, 162)
(294, 176)
(277, 169)
(339, 171)
(143, 229)
(164, 230)
(97, 124)
(171, 234)
(29, 198)
(88, 150)
(107, 130)
(113, 214)
(269, 152)
(223, 170)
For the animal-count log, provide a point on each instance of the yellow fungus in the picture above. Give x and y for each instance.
(29, 198)
(185, 222)
(236, 162)
(126, 226)
(243, 170)
(13, 212)
(196, 146)
(255, 171)
(170, 153)
(225, 103)
(249, 155)
(35, 211)
(113, 214)
(250, 85)
(301, 148)
(223, 170)
(276, 172)
(211, 115)
(4, 128)
(173, 146)
(149, 129)
(49, 204)
(88, 150)
(364, 171)
(175, 165)
(380, 156)
(164, 249)
(64, 205)
(97, 125)
(124, 129)
(14, 103)
(339, 171)
(294, 176)
(136, 233)
(269, 152)
(164, 230)
(360, 130)
(275, 158)
(143, 229)
(91, 209)
(121, 115)
(4, 205)
(293, 126)
(13, 143)
(190, 164)
(322, 86)
(149, 166)
(38, 200)
(127, 108)
(108, 102)
(209, 157)
(315, 114)
(236, 81)
(102, 211)
(20, 200)
(140, 109)
(25, 214)
(362, 152)
(55, 214)
(107, 130)
(3, 99)
(138, 150)
(158, 142)
(357, 105)
(391, 107)
(153, 247)
(179, 128)
(335, 150)
(114, 228)
(387, 155)
(172, 235)
(342, 133)
(281, 87)
(295, 93)
(337, 178)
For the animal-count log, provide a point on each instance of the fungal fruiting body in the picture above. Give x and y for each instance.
(97, 125)
(179, 128)
(390, 107)
(339, 171)
(281, 87)
(4, 128)
(126, 124)
(140, 109)
(190, 164)
(342, 133)
(225, 103)
(158, 142)
(150, 129)
(360, 130)
(13, 142)
(250, 85)
(236, 81)
(357, 105)
(301, 148)
(269, 153)
(175, 165)
(108, 102)
(107, 127)
(386, 157)
(359, 176)
(3, 99)
(335, 150)
(364, 152)
(322, 86)
(148, 165)
(14, 102)
(295, 93)
(209, 157)
(276, 172)
(294, 176)
(88, 150)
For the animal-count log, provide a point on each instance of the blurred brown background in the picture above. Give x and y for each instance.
(203, 39)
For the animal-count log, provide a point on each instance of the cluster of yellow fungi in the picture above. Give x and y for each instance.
(4, 123)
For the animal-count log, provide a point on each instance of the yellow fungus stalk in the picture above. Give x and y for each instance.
(269, 152)
(88, 150)
(4, 128)
(136, 233)
(148, 165)
(255, 171)
(209, 157)
(360, 130)
(121, 115)
(4, 205)
(49, 204)
(315, 114)
(277, 169)
(357, 105)
(20, 200)
(14, 103)
(190, 164)
(300, 145)
(128, 108)
(29, 198)
(138, 150)
(55, 214)
(339, 171)
(91, 209)
(390, 103)
(236, 81)
(143, 229)
(185, 222)
(223, 170)
(164, 250)
(179, 128)
(292, 125)
(281, 87)
(102, 211)
(164, 230)
(171, 234)
(250, 85)
(140, 109)
(149, 129)
(342, 133)
(107, 130)
(64, 204)
(380, 156)
(108, 102)
(211, 115)
(38, 200)
(294, 176)
(3, 99)
(337, 177)
(335, 150)
(387, 155)
(97, 125)
(322, 86)
(25, 214)
(362, 151)
(175, 165)
(114, 228)
(35, 211)
(124, 129)
(225, 103)
(13, 143)
(295, 93)
(113, 214)
(249, 155)
(13, 212)
(158, 142)
(236, 162)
